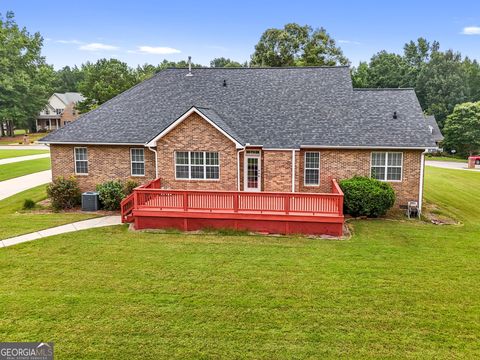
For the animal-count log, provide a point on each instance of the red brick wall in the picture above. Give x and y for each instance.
(104, 163)
(195, 134)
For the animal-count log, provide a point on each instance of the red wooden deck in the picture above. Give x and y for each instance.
(273, 212)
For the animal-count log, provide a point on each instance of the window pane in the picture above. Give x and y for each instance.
(196, 158)
(137, 155)
(312, 160)
(394, 173)
(378, 173)
(182, 172)
(394, 159)
(81, 167)
(212, 172)
(212, 158)
(138, 169)
(181, 158)
(198, 172)
(378, 159)
(80, 154)
(311, 177)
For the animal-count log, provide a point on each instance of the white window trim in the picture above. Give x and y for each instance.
(305, 168)
(386, 165)
(75, 160)
(190, 165)
(137, 162)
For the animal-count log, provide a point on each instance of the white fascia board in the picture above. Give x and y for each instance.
(362, 147)
(173, 125)
(88, 143)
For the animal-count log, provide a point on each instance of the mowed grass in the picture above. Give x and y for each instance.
(445, 158)
(14, 221)
(396, 289)
(18, 138)
(21, 168)
(6, 154)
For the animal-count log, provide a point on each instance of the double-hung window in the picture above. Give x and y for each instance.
(197, 165)
(312, 168)
(387, 166)
(137, 159)
(81, 160)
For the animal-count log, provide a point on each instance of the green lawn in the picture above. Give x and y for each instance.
(13, 170)
(14, 221)
(396, 289)
(6, 154)
(18, 138)
(445, 158)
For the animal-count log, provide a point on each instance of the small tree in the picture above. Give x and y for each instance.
(462, 128)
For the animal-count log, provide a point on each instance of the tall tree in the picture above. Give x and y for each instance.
(441, 84)
(462, 128)
(223, 62)
(297, 45)
(104, 80)
(25, 78)
(67, 79)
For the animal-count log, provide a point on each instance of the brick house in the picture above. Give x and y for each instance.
(60, 110)
(288, 130)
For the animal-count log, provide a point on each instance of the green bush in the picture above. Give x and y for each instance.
(367, 197)
(64, 193)
(111, 194)
(129, 186)
(28, 204)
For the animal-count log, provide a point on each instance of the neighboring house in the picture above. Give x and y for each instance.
(434, 130)
(289, 130)
(59, 111)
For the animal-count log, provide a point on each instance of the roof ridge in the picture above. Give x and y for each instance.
(382, 89)
(260, 67)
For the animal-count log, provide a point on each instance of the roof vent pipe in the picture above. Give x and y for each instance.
(189, 66)
(225, 83)
(395, 115)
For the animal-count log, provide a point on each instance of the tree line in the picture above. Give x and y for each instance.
(441, 79)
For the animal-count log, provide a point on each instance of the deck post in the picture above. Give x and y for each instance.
(235, 202)
(185, 201)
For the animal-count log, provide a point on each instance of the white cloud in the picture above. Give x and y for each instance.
(471, 30)
(157, 50)
(349, 42)
(97, 47)
(69, 42)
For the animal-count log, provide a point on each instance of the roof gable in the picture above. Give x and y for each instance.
(213, 120)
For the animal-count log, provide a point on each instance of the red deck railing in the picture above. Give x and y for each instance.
(150, 197)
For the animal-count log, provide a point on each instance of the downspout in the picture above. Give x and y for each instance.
(238, 168)
(420, 192)
(293, 170)
(156, 160)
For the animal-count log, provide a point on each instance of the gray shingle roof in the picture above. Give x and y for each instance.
(70, 97)
(273, 107)
(434, 129)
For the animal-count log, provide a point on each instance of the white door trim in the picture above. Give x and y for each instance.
(245, 171)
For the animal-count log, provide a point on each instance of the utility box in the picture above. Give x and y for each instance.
(90, 201)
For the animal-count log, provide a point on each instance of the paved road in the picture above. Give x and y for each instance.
(25, 147)
(450, 165)
(22, 183)
(23, 158)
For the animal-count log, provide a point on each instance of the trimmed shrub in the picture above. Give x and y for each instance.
(111, 194)
(129, 186)
(64, 193)
(28, 204)
(367, 197)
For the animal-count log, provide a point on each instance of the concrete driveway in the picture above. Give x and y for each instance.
(22, 183)
(450, 165)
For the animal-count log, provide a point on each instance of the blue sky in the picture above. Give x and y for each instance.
(147, 31)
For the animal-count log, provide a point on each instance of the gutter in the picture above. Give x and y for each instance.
(420, 190)
(238, 168)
